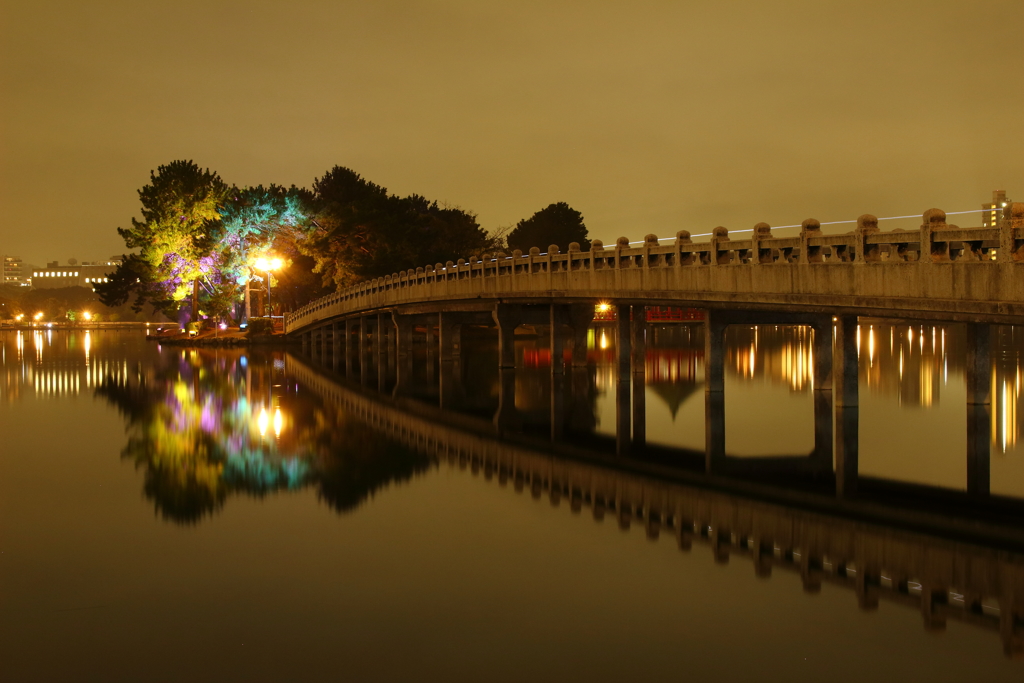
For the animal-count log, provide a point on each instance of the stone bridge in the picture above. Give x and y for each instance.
(846, 544)
(940, 270)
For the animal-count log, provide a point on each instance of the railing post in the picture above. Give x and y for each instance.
(762, 231)
(808, 254)
(1009, 246)
(719, 257)
(932, 219)
(866, 253)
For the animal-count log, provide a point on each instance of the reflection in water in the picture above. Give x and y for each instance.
(206, 425)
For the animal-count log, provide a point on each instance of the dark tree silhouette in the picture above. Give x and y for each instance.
(557, 224)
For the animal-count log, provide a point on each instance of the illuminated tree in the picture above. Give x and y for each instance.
(180, 227)
(556, 224)
(253, 219)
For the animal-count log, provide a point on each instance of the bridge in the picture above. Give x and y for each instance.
(825, 282)
(940, 270)
(878, 553)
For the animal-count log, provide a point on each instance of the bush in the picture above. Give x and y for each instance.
(259, 326)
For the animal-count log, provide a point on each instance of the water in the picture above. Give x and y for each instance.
(235, 515)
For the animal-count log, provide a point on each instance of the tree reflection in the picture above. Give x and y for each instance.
(206, 425)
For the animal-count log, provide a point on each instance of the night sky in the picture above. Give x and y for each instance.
(646, 117)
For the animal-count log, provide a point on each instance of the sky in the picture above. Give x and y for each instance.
(647, 117)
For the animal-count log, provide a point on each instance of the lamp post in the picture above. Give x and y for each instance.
(267, 265)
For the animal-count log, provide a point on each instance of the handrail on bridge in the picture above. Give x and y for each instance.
(935, 242)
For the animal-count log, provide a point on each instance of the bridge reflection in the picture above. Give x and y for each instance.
(915, 556)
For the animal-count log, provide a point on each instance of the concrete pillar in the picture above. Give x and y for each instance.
(762, 556)
(507, 417)
(623, 337)
(846, 398)
(557, 405)
(361, 349)
(450, 333)
(638, 339)
(979, 408)
(623, 433)
(581, 418)
(580, 318)
(714, 390)
(403, 337)
(381, 336)
(305, 336)
(507, 317)
(451, 377)
(429, 330)
(867, 595)
(324, 340)
(823, 415)
(639, 411)
(556, 318)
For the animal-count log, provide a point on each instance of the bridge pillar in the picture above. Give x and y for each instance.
(403, 338)
(428, 329)
(714, 389)
(305, 341)
(979, 407)
(556, 320)
(507, 417)
(846, 397)
(581, 418)
(507, 317)
(381, 338)
(623, 433)
(639, 410)
(623, 337)
(580, 316)
(557, 405)
(450, 333)
(361, 348)
(348, 346)
(821, 369)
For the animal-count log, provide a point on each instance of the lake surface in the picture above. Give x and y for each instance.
(174, 514)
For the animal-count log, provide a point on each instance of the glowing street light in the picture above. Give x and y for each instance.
(87, 315)
(267, 265)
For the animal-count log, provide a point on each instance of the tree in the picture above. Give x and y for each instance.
(359, 231)
(253, 219)
(557, 224)
(134, 281)
(180, 227)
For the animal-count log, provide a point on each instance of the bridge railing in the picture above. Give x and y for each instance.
(935, 242)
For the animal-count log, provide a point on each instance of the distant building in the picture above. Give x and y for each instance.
(85, 274)
(14, 272)
(993, 211)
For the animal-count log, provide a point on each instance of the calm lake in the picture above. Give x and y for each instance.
(171, 514)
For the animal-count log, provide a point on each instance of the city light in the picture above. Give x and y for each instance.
(87, 315)
(603, 307)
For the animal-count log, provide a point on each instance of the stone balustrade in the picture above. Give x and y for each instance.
(938, 269)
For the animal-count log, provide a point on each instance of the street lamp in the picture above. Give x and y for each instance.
(267, 265)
